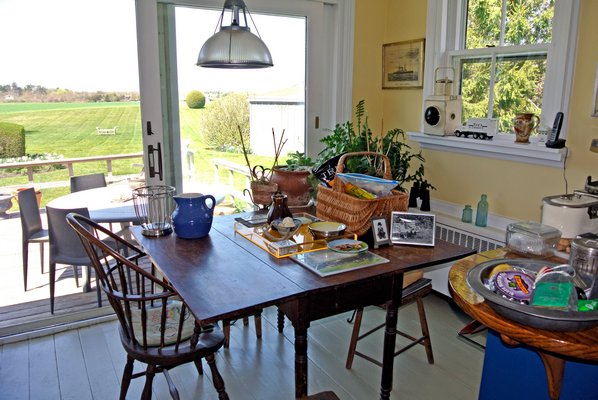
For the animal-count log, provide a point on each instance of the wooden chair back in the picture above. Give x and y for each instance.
(135, 294)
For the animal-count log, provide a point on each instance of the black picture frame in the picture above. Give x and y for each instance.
(413, 228)
(380, 232)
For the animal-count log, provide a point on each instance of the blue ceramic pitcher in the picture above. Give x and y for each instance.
(192, 218)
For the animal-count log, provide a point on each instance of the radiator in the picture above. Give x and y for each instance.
(439, 273)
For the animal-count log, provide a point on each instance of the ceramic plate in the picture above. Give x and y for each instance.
(348, 246)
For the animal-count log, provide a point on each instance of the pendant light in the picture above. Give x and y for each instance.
(234, 46)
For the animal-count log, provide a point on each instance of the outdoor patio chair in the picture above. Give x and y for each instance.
(31, 228)
(415, 288)
(84, 182)
(66, 248)
(156, 326)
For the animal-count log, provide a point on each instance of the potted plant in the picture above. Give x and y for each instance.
(261, 186)
(295, 179)
(344, 138)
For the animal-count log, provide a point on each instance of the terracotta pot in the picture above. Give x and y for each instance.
(294, 184)
(38, 195)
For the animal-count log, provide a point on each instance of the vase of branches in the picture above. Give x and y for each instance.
(261, 187)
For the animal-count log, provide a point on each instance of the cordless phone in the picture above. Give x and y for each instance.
(553, 141)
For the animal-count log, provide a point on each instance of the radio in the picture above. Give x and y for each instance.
(442, 115)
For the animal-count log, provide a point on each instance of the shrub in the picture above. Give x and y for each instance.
(222, 119)
(195, 99)
(12, 140)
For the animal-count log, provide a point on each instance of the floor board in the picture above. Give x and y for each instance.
(87, 363)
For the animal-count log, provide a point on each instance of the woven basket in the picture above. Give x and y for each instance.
(333, 204)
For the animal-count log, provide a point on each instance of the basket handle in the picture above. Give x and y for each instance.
(340, 167)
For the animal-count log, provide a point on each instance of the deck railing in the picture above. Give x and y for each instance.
(69, 162)
(231, 168)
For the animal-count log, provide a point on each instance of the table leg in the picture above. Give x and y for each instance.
(300, 362)
(390, 335)
(555, 368)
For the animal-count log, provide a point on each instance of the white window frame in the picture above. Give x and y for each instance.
(443, 36)
(331, 87)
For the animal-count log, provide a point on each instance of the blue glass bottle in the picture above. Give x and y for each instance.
(481, 215)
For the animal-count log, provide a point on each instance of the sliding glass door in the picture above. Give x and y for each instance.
(299, 94)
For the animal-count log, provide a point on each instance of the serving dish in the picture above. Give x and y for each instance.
(285, 230)
(537, 317)
(324, 229)
(347, 246)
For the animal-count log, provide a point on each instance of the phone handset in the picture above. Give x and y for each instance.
(553, 141)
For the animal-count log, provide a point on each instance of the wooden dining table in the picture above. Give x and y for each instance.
(225, 276)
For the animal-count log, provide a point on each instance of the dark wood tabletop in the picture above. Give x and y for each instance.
(224, 276)
(552, 346)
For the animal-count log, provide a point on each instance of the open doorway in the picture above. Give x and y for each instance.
(257, 103)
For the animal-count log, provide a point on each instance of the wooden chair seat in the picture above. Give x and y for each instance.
(415, 288)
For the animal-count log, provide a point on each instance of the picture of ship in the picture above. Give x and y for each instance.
(402, 74)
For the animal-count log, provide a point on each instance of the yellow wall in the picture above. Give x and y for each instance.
(515, 190)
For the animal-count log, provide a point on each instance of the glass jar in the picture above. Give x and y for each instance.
(467, 215)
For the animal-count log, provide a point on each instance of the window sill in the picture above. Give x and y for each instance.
(502, 147)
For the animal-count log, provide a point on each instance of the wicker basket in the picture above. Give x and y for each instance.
(333, 204)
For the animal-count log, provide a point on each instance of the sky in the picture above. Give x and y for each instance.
(90, 45)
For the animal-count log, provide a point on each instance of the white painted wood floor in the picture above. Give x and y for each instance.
(87, 363)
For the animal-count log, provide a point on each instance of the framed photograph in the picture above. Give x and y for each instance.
(380, 232)
(412, 228)
(403, 64)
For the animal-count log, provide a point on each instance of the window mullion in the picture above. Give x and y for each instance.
(503, 23)
(491, 88)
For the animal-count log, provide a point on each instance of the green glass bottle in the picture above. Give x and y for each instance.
(481, 215)
(467, 215)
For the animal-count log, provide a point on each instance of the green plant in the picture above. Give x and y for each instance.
(195, 99)
(299, 161)
(221, 119)
(406, 166)
(12, 140)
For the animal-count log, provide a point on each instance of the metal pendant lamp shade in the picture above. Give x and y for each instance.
(234, 46)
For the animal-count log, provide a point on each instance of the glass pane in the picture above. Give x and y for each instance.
(483, 23)
(529, 22)
(258, 102)
(518, 88)
(475, 84)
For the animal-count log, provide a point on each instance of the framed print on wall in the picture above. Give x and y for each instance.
(412, 228)
(403, 64)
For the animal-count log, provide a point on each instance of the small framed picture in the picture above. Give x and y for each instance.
(412, 228)
(380, 232)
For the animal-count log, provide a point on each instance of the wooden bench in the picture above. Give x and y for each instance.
(106, 131)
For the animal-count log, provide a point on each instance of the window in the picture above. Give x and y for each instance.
(508, 57)
(501, 60)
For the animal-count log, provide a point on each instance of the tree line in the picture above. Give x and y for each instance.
(37, 93)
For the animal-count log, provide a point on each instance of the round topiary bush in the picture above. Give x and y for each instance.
(12, 140)
(195, 99)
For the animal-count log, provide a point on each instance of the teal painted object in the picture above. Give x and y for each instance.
(192, 218)
(481, 215)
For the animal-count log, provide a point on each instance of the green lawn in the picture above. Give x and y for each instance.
(70, 129)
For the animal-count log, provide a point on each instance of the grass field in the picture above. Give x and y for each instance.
(70, 129)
